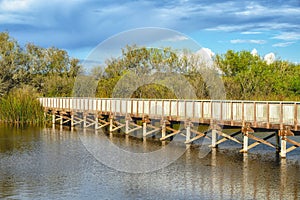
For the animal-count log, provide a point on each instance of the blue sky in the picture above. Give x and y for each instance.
(79, 25)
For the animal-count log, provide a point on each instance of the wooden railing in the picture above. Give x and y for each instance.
(265, 114)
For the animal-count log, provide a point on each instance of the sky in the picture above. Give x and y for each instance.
(78, 26)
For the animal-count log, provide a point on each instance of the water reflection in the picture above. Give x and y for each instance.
(53, 163)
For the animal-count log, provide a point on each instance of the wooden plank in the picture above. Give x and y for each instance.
(171, 129)
(153, 131)
(170, 135)
(134, 129)
(195, 138)
(103, 125)
(292, 142)
(118, 127)
(228, 137)
(291, 149)
(260, 140)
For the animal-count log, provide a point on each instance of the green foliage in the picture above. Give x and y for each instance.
(29, 73)
(249, 77)
(144, 73)
(150, 71)
(22, 107)
(50, 70)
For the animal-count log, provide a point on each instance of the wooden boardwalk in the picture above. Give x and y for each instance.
(281, 117)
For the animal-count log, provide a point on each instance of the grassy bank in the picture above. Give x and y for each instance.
(21, 106)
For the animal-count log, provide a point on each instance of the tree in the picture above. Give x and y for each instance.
(248, 76)
(11, 63)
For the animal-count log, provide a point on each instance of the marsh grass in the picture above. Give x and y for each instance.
(20, 106)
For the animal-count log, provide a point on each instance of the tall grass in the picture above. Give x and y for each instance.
(20, 106)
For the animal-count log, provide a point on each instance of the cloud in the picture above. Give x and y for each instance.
(250, 32)
(176, 38)
(288, 36)
(74, 24)
(206, 52)
(15, 5)
(254, 52)
(269, 58)
(283, 44)
(239, 41)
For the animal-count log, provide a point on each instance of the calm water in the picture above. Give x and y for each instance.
(54, 164)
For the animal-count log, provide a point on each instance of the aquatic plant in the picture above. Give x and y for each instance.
(20, 106)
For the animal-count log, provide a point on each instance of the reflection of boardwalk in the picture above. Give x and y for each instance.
(281, 119)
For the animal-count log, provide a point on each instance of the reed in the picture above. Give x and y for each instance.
(20, 106)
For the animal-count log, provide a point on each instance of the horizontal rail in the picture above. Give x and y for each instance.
(233, 112)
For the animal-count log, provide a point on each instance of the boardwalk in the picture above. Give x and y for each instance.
(281, 117)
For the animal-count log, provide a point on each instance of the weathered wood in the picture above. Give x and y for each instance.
(228, 137)
(170, 135)
(134, 129)
(152, 131)
(260, 141)
(262, 112)
(213, 138)
(297, 144)
(199, 135)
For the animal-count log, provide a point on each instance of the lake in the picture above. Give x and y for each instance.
(56, 163)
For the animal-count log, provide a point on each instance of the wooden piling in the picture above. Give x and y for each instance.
(126, 126)
(96, 121)
(188, 132)
(144, 129)
(163, 129)
(245, 143)
(72, 119)
(283, 147)
(84, 120)
(61, 118)
(213, 138)
(110, 123)
(53, 117)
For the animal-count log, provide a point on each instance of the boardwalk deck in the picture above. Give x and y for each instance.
(261, 114)
(280, 117)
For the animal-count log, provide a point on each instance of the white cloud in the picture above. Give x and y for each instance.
(254, 52)
(206, 52)
(250, 32)
(80, 23)
(269, 58)
(239, 41)
(288, 36)
(283, 44)
(15, 5)
(176, 38)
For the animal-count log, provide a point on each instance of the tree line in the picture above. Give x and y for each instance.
(48, 71)
(52, 72)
